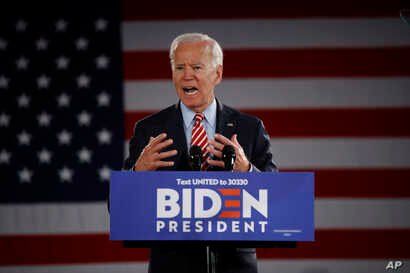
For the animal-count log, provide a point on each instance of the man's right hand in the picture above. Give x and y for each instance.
(151, 156)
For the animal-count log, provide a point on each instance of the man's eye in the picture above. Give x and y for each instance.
(197, 68)
(179, 68)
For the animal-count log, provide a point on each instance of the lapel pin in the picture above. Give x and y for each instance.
(229, 124)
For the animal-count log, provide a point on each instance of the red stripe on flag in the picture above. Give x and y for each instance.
(361, 183)
(61, 249)
(93, 248)
(133, 10)
(381, 122)
(283, 63)
(354, 122)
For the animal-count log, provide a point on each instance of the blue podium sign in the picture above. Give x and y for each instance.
(211, 206)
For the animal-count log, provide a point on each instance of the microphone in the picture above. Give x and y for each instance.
(405, 15)
(195, 158)
(228, 157)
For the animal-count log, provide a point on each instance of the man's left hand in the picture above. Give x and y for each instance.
(216, 146)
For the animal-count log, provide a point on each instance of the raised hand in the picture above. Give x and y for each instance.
(241, 164)
(151, 157)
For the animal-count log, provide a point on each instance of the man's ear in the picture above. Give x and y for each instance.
(219, 72)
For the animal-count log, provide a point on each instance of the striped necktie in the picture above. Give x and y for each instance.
(199, 138)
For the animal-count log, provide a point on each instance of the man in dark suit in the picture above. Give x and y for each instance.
(162, 140)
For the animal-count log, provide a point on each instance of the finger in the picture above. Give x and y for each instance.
(167, 154)
(216, 163)
(150, 141)
(238, 148)
(216, 145)
(223, 140)
(160, 164)
(156, 147)
(159, 138)
(213, 151)
(236, 145)
(234, 139)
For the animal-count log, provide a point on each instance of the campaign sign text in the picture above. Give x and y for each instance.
(211, 206)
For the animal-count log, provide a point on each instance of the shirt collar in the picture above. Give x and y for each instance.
(209, 113)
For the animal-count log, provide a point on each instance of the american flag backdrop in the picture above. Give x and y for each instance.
(331, 81)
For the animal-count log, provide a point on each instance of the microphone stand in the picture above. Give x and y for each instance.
(228, 157)
(195, 163)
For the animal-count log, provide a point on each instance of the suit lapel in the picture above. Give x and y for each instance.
(175, 126)
(226, 123)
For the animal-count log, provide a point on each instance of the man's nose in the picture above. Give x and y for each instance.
(188, 73)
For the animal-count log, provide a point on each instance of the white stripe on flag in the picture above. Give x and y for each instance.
(325, 266)
(362, 213)
(54, 218)
(273, 33)
(83, 268)
(264, 266)
(81, 218)
(280, 93)
(338, 153)
(320, 153)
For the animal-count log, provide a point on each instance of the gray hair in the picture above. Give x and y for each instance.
(216, 50)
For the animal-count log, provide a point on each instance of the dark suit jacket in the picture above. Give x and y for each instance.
(255, 142)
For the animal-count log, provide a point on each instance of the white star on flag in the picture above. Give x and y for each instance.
(43, 82)
(44, 156)
(4, 82)
(83, 81)
(103, 99)
(63, 100)
(64, 137)
(84, 118)
(4, 157)
(42, 44)
(24, 138)
(25, 175)
(22, 63)
(61, 25)
(3, 44)
(104, 173)
(4, 120)
(65, 174)
(81, 43)
(44, 119)
(62, 62)
(101, 24)
(104, 136)
(21, 25)
(102, 62)
(84, 155)
(23, 100)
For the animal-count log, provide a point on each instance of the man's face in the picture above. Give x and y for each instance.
(194, 75)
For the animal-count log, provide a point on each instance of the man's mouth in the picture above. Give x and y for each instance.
(190, 90)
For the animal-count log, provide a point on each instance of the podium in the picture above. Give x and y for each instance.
(257, 209)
